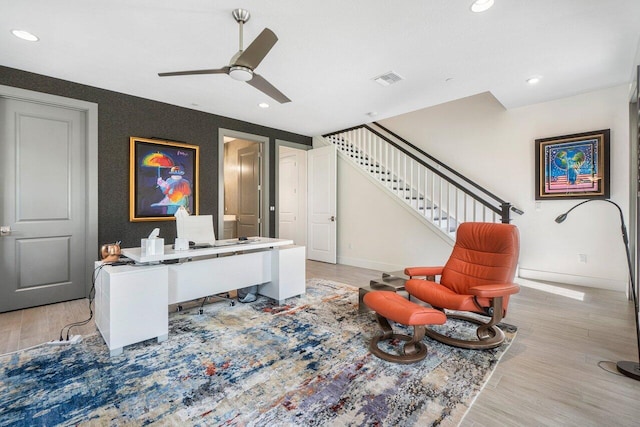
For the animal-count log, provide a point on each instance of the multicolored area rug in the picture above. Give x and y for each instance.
(303, 364)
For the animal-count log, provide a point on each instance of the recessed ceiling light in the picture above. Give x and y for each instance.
(25, 35)
(263, 105)
(481, 5)
(534, 80)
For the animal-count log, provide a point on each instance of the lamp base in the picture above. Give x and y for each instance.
(630, 369)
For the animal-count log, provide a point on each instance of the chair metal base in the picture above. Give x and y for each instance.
(489, 335)
(412, 351)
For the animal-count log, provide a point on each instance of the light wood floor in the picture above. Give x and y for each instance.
(559, 371)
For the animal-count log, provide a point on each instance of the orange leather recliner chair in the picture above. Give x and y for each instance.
(478, 278)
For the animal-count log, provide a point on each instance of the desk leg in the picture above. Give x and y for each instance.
(115, 352)
(163, 338)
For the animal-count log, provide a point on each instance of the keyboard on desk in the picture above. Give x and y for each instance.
(201, 246)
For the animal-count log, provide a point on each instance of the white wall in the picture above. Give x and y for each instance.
(495, 147)
(374, 231)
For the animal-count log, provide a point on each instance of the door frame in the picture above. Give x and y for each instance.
(265, 199)
(90, 110)
(297, 146)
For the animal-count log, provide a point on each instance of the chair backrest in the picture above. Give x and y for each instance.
(484, 253)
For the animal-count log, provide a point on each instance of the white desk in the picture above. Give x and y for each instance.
(131, 301)
(226, 247)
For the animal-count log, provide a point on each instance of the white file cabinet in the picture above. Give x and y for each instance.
(131, 304)
(288, 273)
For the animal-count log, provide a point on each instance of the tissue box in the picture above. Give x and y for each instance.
(152, 247)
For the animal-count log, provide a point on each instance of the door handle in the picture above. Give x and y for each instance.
(333, 218)
(5, 230)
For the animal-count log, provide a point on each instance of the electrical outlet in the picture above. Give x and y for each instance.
(582, 258)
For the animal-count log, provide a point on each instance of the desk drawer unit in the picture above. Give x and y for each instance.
(288, 274)
(128, 296)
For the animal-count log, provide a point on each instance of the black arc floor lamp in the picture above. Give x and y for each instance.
(628, 368)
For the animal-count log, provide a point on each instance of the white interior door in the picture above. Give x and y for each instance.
(42, 207)
(292, 195)
(322, 191)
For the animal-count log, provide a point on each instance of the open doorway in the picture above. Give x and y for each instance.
(243, 185)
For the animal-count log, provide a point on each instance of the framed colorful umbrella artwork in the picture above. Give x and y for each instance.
(163, 177)
(573, 166)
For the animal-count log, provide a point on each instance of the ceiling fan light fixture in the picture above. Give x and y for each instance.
(240, 73)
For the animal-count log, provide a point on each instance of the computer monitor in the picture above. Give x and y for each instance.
(196, 228)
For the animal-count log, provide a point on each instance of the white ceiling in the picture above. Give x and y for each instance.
(328, 52)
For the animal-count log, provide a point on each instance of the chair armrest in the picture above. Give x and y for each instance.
(494, 290)
(423, 271)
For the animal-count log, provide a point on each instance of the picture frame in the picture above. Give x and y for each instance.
(163, 175)
(573, 166)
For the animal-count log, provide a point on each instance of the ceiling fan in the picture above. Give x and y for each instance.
(244, 62)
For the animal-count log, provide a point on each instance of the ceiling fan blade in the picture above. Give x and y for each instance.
(257, 50)
(223, 70)
(267, 88)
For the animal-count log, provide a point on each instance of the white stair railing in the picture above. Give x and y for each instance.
(442, 200)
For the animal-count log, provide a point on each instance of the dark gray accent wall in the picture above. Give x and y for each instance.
(121, 116)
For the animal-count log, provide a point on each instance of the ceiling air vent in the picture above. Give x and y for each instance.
(389, 78)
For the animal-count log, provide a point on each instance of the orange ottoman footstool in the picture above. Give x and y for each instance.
(391, 306)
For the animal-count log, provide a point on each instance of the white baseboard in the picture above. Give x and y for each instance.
(372, 265)
(546, 276)
(570, 279)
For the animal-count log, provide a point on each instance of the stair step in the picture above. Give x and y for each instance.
(449, 226)
(400, 187)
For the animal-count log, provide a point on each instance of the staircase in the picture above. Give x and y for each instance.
(442, 197)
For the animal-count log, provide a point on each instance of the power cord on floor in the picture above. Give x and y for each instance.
(92, 294)
(22, 349)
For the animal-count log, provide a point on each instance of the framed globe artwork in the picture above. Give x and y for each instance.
(163, 177)
(573, 166)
